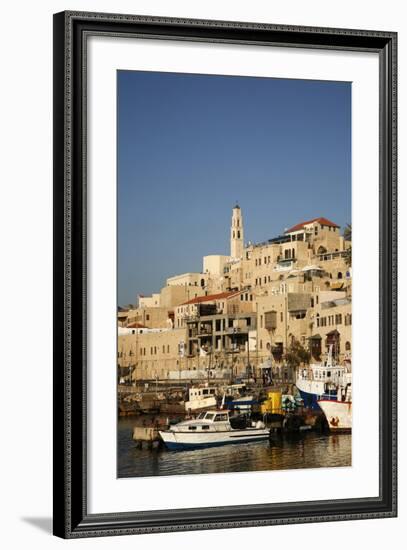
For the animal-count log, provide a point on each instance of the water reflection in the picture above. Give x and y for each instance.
(310, 450)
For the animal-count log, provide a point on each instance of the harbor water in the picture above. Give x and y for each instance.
(291, 451)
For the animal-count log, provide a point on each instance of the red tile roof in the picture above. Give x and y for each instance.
(136, 325)
(322, 221)
(210, 298)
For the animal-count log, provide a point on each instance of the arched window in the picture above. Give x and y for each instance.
(202, 282)
(233, 234)
(339, 275)
(238, 234)
(347, 346)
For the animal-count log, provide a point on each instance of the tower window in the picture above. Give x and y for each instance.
(238, 234)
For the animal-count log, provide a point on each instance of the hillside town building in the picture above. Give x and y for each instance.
(245, 309)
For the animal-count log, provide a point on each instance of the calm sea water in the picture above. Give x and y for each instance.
(307, 450)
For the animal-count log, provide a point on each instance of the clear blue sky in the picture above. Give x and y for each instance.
(189, 146)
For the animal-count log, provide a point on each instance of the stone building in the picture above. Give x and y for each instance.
(236, 234)
(249, 307)
(151, 354)
(150, 317)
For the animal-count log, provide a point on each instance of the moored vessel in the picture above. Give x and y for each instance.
(321, 381)
(338, 412)
(201, 398)
(213, 428)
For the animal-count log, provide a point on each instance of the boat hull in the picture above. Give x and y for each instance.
(182, 440)
(311, 394)
(338, 414)
(310, 400)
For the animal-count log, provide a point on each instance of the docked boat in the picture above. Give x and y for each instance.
(237, 398)
(338, 412)
(213, 428)
(321, 381)
(201, 398)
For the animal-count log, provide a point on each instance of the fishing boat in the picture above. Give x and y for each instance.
(321, 381)
(201, 398)
(338, 412)
(213, 428)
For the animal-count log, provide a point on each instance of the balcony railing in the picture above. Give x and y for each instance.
(205, 331)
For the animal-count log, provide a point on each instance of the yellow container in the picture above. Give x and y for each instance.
(273, 403)
(276, 400)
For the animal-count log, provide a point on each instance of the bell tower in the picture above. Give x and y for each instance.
(236, 233)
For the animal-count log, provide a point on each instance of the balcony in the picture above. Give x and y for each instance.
(205, 331)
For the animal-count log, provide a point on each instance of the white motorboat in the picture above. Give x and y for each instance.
(213, 428)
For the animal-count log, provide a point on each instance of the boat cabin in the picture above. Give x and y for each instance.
(214, 416)
(322, 373)
(201, 393)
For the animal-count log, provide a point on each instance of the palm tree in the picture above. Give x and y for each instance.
(347, 235)
(347, 232)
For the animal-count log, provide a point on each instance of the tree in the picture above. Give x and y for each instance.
(348, 257)
(347, 232)
(297, 354)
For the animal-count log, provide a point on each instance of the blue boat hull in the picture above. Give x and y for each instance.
(186, 446)
(311, 399)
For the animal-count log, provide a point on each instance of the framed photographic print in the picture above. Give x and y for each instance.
(224, 274)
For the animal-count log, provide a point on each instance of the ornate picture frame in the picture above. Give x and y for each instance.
(71, 33)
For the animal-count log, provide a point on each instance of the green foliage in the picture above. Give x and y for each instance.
(297, 354)
(347, 232)
(348, 258)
